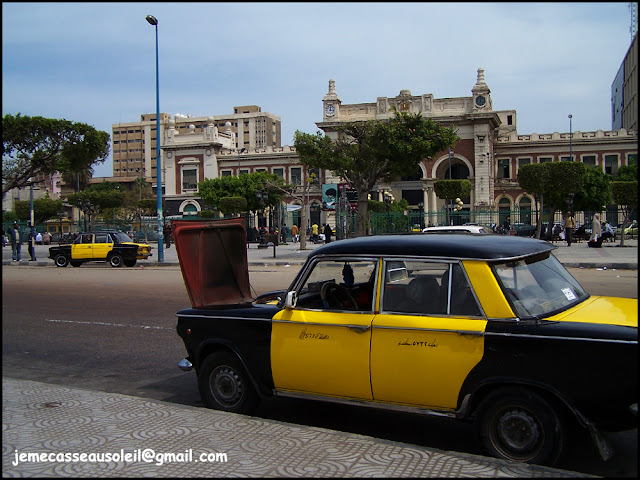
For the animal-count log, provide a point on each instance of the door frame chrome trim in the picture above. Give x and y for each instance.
(365, 403)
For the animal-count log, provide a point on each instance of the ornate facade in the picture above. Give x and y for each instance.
(489, 154)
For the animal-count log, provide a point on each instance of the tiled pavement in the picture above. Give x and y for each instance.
(52, 420)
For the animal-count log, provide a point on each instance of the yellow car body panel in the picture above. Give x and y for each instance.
(603, 310)
(144, 250)
(101, 250)
(316, 352)
(487, 289)
(81, 251)
(423, 360)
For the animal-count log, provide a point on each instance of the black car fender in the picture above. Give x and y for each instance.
(212, 345)
(471, 400)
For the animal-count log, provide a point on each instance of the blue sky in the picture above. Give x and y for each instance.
(95, 62)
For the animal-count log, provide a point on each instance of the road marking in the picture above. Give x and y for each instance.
(146, 327)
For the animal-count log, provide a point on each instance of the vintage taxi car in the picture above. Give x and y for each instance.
(117, 248)
(484, 328)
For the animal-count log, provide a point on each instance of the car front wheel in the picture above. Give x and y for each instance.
(115, 260)
(224, 385)
(61, 260)
(520, 425)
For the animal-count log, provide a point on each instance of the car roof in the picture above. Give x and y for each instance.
(454, 246)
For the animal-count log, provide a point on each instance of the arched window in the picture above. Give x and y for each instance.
(504, 209)
(525, 210)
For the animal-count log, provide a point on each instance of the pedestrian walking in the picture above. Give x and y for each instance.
(31, 247)
(294, 233)
(327, 233)
(569, 225)
(506, 226)
(16, 244)
(595, 241)
(166, 233)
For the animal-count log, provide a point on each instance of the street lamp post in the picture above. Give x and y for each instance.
(262, 198)
(421, 207)
(153, 21)
(387, 200)
(570, 138)
(32, 237)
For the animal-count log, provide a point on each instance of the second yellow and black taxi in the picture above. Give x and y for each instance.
(489, 329)
(113, 247)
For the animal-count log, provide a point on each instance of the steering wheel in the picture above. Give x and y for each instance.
(331, 293)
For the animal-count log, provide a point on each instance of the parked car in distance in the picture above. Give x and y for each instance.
(489, 329)
(107, 246)
(464, 229)
(523, 229)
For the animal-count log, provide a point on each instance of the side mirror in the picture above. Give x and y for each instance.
(291, 300)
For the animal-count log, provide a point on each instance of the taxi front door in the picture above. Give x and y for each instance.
(82, 248)
(324, 350)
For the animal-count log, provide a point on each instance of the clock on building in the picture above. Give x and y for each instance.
(330, 110)
(480, 101)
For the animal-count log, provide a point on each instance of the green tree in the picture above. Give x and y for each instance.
(595, 192)
(551, 184)
(212, 190)
(532, 178)
(230, 205)
(102, 196)
(628, 172)
(625, 194)
(38, 145)
(43, 209)
(368, 152)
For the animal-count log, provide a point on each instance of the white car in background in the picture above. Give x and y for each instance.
(462, 229)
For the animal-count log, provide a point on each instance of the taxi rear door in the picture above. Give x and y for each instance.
(427, 337)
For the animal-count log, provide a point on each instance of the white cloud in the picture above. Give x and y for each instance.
(96, 62)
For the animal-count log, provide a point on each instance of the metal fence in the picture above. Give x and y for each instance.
(523, 221)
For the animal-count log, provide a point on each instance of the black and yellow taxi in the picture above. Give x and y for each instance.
(113, 247)
(489, 329)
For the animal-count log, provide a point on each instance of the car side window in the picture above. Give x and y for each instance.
(102, 238)
(428, 288)
(413, 287)
(339, 285)
(87, 238)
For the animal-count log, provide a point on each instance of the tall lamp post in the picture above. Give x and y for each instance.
(570, 138)
(262, 198)
(421, 209)
(153, 21)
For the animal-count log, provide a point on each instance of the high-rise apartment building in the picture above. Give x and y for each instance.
(134, 143)
(624, 91)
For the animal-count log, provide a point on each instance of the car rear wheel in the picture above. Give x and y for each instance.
(130, 263)
(115, 260)
(61, 260)
(224, 384)
(520, 425)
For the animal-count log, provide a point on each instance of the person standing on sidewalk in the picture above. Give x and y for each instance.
(569, 225)
(294, 233)
(327, 233)
(14, 238)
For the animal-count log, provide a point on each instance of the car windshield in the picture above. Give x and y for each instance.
(122, 237)
(538, 286)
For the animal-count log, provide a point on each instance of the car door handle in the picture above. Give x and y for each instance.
(359, 328)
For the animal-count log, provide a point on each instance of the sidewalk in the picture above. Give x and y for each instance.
(46, 419)
(578, 255)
